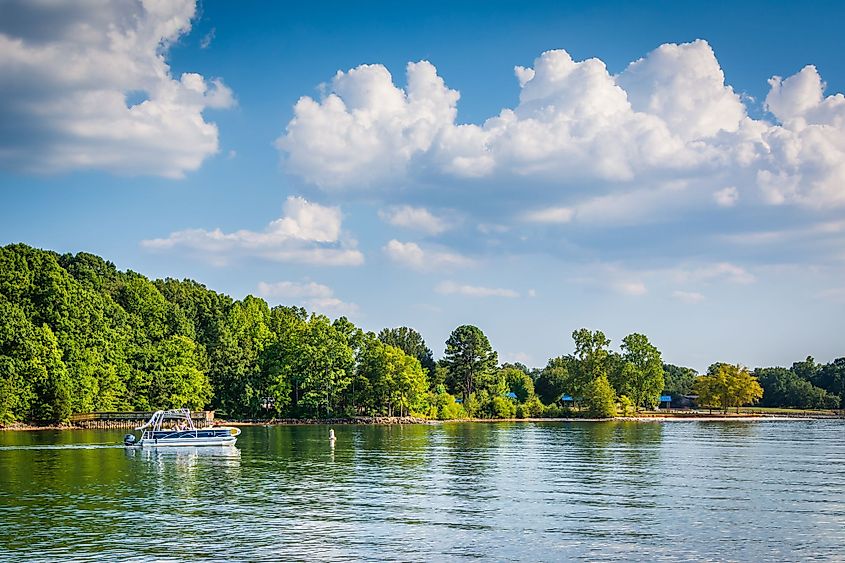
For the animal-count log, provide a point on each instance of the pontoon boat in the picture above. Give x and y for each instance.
(176, 428)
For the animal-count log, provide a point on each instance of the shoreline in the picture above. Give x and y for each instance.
(407, 420)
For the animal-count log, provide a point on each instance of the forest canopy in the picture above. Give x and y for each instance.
(78, 335)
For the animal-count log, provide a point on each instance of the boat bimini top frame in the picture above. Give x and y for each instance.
(154, 424)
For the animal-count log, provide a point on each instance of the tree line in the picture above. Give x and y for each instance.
(78, 335)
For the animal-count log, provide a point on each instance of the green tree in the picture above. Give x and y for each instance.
(177, 377)
(678, 381)
(643, 371)
(831, 378)
(554, 380)
(412, 343)
(599, 398)
(807, 370)
(783, 388)
(235, 358)
(470, 360)
(392, 382)
(744, 388)
(592, 359)
(410, 381)
(50, 378)
(518, 382)
(728, 385)
(17, 366)
(324, 361)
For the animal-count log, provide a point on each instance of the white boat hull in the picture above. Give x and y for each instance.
(166, 442)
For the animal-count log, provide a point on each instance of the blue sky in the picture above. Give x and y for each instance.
(537, 168)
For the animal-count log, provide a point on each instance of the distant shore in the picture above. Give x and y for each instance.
(406, 420)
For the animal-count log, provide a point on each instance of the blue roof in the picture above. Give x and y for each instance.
(510, 395)
(566, 397)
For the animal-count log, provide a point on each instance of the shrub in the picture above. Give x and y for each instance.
(552, 411)
(479, 405)
(452, 411)
(626, 405)
(532, 407)
(503, 407)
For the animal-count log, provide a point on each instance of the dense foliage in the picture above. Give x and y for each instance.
(727, 385)
(77, 335)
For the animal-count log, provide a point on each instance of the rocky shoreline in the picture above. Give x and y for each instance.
(406, 420)
(382, 420)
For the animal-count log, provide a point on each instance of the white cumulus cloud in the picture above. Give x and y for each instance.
(85, 85)
(307, 232)
(367, 130)
(668, 117)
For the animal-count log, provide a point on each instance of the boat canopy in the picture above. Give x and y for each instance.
(160, 417)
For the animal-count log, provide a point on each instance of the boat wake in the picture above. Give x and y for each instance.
(62, 447)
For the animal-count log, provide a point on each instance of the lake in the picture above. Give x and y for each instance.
(671, 491)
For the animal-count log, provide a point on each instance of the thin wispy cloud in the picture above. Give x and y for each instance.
(549, 215)
(833, 294)
(289, 289)
(414, 218)
(206, 40)
(313, 296)
(453, 288)
(727, 197)
(722, 271)
(412, 255)
(690, 297)
(629, 287)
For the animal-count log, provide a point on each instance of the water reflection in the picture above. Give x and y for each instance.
(188, 456)
(503, 491)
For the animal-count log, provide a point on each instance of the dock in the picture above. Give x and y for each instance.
(131, 419)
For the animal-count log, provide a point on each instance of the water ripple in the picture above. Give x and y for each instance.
(615, 491)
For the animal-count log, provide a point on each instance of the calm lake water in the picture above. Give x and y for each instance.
(504, 491)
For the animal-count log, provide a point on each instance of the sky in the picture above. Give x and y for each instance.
(670, 168)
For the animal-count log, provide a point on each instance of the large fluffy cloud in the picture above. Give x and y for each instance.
(668, 118)
(367, 130)
(806, 157)
(85, 85)
(307, 233)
